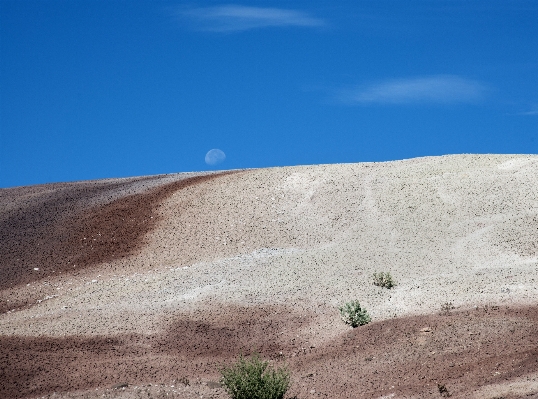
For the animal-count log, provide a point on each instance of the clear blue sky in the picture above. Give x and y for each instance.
(94, 89)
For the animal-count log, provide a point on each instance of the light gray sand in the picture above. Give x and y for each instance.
(460, 229)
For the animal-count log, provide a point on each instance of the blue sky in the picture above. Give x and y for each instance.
(95, 89)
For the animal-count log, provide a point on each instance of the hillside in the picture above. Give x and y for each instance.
(148, 281)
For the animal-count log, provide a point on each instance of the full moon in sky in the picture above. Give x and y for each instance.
(214, 157)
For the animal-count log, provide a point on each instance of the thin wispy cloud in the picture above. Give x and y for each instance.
(532, 111)
(437, 89)
(235, 18)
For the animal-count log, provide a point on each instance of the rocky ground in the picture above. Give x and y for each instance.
(145, 287)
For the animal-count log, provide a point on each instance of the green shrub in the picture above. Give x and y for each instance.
(352, 314)
(384, 280)
(254, 379)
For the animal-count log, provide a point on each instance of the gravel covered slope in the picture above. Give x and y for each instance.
(136, 257)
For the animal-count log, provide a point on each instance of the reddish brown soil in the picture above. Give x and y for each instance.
(462, 351)
(57, 234)
(405, 356)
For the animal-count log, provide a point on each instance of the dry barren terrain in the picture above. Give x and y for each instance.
(144, 287)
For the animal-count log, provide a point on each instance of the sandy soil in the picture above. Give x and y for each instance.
(126, 288)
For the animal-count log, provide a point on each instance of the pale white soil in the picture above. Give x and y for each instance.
(460, 229)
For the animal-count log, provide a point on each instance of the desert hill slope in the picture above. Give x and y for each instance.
(146, 280)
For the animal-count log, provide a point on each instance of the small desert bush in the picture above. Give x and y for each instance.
(253, 378)
(184, 380)
(353, 314)
(443, 391)
(384, 280)
(447, 307)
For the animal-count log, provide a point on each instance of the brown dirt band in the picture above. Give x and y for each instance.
(54, 236)
(405, 356)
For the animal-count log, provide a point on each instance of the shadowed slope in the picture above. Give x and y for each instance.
(406, 357)
(195, 344)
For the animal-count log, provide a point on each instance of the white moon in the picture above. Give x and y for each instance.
(214, 157)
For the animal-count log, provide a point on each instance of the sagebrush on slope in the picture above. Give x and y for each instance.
(253, 378)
